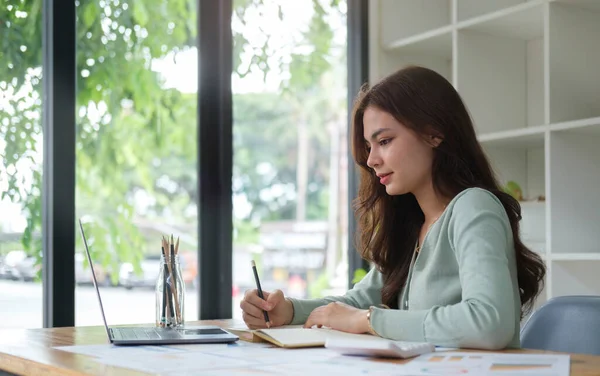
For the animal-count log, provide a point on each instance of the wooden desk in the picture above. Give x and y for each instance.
(30, 352)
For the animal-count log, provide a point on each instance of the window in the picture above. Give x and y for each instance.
(289, 139)
(21, 163)
(136, 152)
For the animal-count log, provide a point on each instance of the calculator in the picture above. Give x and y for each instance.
(380, 348)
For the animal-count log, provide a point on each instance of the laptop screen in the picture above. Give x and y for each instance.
(89, 257)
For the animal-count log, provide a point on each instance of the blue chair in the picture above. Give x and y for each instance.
(567, 324)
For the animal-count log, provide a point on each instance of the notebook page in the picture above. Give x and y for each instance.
(299, 336)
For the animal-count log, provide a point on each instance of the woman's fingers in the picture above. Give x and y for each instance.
(251, 296)
(310, 321)
(316, 317)
(251, 310)
(274, 298)
(253, 322)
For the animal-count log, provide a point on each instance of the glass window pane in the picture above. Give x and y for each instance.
(21, 165)
(136, 152)
(290, 164)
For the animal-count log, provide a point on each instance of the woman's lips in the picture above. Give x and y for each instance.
(385, 179)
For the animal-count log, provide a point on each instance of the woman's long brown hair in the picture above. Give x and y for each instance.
(426, 102)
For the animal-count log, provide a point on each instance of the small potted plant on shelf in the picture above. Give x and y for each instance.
(514, 189)
(533, 214)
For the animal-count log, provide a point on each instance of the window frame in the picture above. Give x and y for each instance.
(214, 156)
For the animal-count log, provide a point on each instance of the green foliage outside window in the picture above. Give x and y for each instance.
(131, 130)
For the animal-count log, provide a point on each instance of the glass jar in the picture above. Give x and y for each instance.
(170, 293)
(179, 292)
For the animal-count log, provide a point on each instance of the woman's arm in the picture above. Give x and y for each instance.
(485, 318)
(364, 294)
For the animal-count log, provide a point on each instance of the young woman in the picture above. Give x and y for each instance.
(450, 268)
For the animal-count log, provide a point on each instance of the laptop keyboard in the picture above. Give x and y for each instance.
(135, 333)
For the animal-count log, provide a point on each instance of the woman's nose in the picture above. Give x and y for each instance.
(373, 160)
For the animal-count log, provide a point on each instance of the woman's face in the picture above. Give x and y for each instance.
(401, 159)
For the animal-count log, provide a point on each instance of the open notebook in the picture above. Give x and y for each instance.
(294, 336)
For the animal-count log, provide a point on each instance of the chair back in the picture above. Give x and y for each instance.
(566, 323)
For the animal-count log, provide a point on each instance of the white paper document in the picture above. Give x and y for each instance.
(244, 358)
(241, 358)
(483, 363)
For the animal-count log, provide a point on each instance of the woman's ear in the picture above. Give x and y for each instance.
(432, 136)
(434, 140)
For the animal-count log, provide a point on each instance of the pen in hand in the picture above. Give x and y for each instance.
(260, 293)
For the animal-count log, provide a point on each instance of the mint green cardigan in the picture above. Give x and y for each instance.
(462, 288)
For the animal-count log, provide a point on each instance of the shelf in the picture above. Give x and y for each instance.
(536, 247)
(468, 9)
(584, 126)
(593, 5)
(522, 21)
(534, 136)
(501, 78)
(576, 256)
(575, 182)
(526, 167)
(402, 19)
(527, 71)
(433, 51)
(522, 138)
(435, 42)
(575, 278)
(533, 226)
(574, 31)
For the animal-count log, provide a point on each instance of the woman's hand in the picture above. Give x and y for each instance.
(280, 310)
(339, 316)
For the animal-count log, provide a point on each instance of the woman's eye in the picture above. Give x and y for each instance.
(384, 141)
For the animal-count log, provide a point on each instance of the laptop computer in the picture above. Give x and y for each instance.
(151, 335)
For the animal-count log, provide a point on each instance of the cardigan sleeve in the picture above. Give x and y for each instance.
(365, 293)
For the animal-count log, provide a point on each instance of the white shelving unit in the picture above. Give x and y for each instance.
(529, 72)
